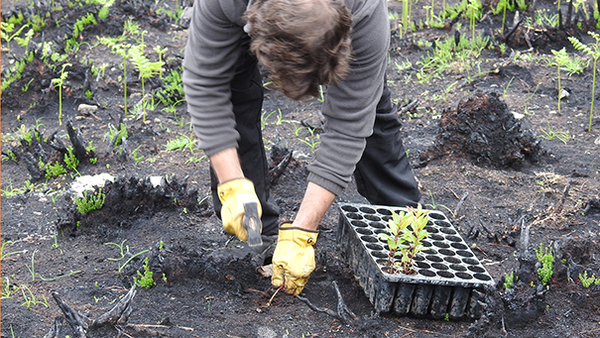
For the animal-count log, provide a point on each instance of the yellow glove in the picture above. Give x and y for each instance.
(294, 258)
(237, 196)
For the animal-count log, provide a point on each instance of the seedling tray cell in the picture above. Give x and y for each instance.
(449, 280)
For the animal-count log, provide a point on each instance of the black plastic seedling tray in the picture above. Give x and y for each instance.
(450, 281)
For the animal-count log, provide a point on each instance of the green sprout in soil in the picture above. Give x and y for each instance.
(407, 230)
(588, 281)
(502, 6)
(59, 82)
(181, 143)
(473, 12)
(135, 156)
(146, 280)
(88, 202)
(592, 50)
(4, 255)
(71, 160)
(550, 134)
(546, 259)
(6, 28)
(54, 170)
(560, 60)
(145, 67)
(116, 136)
(510, 279)
(7, 289)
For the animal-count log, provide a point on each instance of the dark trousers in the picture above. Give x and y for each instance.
(383, 175)
(247, 98)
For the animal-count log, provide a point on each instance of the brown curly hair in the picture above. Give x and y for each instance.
(302, 43)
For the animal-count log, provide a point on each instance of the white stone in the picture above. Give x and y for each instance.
(89, 182)
(87, 109)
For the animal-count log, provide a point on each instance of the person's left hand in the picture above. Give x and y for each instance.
(294, 258)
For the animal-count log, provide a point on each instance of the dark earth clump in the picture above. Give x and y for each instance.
(483, 130)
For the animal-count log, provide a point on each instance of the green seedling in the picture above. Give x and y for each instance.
(588, 281)
(52, 279)
(502, 6)
(24, 42)
(116, 136)
(546, 259)
(121, 267)
(560, 60)
(505, 89)
(510, 280)
(146, 280)
(54, 170)
(10, 155)
(145, 67)
(3, 255)
(592, 50)
(32, 267)
(172, 93)
(550, 134)
(181, 143)
(312, 141)
(434, 205)
(120, 246)
(406, 231)
(6, 28)
(30, 300)
(135, 156)
(473, 12)
(59, 82)
(88, 203)
(7, 289)
(25, 88)
(71, 160)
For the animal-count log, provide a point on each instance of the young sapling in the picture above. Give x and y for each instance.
(407, 230)
(561, 59)
(592, 50)
(59, 82)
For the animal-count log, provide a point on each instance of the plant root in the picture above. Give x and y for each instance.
(342, 308)
(74, 318)
(119, 314)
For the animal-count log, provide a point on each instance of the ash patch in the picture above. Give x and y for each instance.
(483, 130)
(129, 199)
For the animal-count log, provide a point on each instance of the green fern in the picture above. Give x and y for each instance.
(592, 50)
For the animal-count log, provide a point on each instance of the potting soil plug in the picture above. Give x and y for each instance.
(241, 210)
(294, 258)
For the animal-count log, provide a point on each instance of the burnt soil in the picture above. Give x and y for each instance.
(474, 142)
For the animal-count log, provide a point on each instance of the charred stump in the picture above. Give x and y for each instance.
(483, 130)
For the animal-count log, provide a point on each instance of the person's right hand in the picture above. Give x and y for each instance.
(235, 196)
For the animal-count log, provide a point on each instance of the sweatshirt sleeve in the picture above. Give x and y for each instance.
(349, 107)
(212, 49)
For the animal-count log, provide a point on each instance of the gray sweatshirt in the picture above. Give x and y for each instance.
(349, 108)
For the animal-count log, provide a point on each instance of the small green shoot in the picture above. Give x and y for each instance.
(592, 50)
(88, 203)
(4, 255)
(54, 170)
(550, 134)
(116, 136)
(181, 143)
(59, 82)
(71, 160)
(146, 280)
(546, 259)
(588, 281)
(510, 279)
